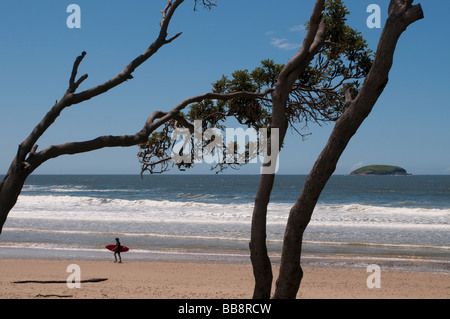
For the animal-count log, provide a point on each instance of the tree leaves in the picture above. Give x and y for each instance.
(318, 95)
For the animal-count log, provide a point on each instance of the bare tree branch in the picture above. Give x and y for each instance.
(27, 159)
(207, 4)
(154, 121)
(70, 98)
(131, 67)
(72, 84)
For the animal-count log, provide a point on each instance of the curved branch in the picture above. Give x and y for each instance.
(210, 96)
(69, 98)
(154, 121)
(311, 43)
(131, 67)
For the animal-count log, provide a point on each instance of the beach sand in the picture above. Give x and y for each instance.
(203, 280)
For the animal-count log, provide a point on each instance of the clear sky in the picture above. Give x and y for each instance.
(409, 126)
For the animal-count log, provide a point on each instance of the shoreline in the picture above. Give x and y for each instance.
(330, 257)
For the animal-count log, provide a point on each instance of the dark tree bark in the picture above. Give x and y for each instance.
(262, 268)
(401, 14)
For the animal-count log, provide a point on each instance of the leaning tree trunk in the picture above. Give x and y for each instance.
(262, 269)
(10, 189)
(401, 15)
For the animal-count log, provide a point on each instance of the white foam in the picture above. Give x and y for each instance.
(78, 208)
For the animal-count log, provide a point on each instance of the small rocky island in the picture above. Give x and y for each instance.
(380, 170)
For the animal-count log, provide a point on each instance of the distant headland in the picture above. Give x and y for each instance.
(380, 170)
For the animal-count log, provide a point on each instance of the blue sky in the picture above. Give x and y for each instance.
(409, 125)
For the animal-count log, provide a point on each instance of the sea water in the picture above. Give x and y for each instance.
(391, 218)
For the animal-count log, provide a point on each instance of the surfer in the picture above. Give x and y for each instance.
(117, 251)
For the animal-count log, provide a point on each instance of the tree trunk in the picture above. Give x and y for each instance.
(10, 189)
(262, 269)
(401, 15)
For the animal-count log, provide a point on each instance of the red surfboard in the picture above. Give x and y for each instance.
(113, 248)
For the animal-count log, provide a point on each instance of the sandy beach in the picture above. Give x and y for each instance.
(202, 280)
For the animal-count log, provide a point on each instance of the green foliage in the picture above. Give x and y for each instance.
(317, 96)
(266, 75)
(211, 113)
(341, 63)
(247, 111)
(345, 46)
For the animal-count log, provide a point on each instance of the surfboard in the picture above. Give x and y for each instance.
(113, 248)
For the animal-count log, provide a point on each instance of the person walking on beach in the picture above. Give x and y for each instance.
(117, 251)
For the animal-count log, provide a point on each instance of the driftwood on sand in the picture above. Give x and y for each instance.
(58, 281)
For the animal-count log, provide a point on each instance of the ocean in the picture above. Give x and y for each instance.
(400, 221)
